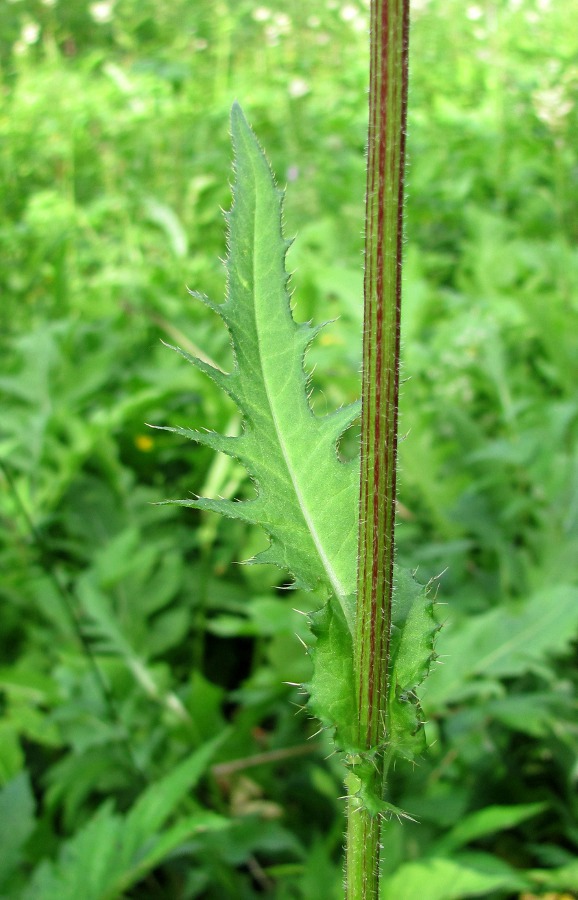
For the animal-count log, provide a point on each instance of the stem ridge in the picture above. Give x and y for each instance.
(379, 423)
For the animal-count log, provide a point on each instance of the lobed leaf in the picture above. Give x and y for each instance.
(307, 497)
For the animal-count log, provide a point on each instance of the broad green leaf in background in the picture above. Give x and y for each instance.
(17, 822)
(564, 878)
(449, 879)
(503, 642)
(113, 852)
(487, 821)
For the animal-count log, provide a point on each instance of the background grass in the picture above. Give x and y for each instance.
(129, 638)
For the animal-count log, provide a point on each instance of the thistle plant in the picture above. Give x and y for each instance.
(331, 522)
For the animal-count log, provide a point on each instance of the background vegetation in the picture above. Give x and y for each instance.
(149, 745)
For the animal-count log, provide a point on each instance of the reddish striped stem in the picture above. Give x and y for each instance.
(380, 393)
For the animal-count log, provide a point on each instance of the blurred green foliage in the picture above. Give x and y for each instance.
(148, 742)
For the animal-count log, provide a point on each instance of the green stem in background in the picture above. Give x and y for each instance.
(380, 392)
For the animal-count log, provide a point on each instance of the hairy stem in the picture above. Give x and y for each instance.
(380, 392)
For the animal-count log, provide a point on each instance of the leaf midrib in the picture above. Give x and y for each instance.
(332, 576)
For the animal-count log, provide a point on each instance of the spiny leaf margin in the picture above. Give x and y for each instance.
(289, 453)
(332, 687)
(307, 498)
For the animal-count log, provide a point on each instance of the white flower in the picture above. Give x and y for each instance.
(474, 13)
(298, 87)
(271, 35)
(552, 105)
(261, 14)
(348, 13)
(283, 22)
(101, 12)
(30, 33)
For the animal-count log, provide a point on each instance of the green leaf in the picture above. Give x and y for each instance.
(331, 689)
(487, 821)
(447, 879)
(11, 755)
(504, 642)
(535, 714)
(17, 809)
(111, 853)
(155, 805)
(564, 878)
(306, 496)
(412, 640)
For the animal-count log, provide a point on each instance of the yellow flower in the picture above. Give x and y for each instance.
(144, 442)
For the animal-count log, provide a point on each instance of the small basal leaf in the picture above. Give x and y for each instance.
(412, 640)
(332, 686)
